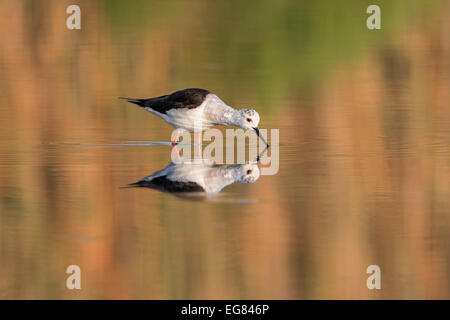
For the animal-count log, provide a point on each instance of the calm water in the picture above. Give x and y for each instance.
(364, 120)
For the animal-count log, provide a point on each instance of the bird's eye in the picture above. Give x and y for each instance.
(248, 120)
(249, 171)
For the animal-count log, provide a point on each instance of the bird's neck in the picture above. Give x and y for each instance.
(228, 116)
(220, 113)
(221, 177)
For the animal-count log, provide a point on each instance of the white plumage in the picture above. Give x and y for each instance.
(197, 110)
(199, 177)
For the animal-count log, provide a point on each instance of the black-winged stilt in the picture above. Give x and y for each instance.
(196, 109)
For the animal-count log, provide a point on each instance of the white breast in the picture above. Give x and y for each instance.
(211, 178)
(209, 113)
(188, 119)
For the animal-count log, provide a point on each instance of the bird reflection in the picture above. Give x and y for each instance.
(198, 177)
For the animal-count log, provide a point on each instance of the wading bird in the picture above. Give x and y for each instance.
(197, 110)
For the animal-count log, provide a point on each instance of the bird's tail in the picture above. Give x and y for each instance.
(140, 183)
(139, 102)
(134, 184)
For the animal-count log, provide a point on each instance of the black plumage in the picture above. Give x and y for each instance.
(187, 98)
(167, 185)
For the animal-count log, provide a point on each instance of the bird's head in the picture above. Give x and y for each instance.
(249, 173)
(248, 119)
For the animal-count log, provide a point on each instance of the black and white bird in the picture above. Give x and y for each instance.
(198, 177)
(197, 109)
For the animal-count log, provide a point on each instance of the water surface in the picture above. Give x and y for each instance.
(364, 170)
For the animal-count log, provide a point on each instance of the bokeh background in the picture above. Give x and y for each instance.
(364, 118)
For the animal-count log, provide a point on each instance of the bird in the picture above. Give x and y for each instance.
(196, 109)
(199, 178)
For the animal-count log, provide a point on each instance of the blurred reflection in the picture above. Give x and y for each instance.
(198, 177)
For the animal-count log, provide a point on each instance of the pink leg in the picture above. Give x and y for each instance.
(199, 138)
(175, 153)
(175, 138)
(199, 144)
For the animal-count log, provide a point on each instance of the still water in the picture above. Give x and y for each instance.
(364, 122)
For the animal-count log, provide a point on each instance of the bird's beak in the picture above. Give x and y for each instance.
(259, 136)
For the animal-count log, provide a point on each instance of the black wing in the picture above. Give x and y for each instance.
(167, 185)
(187, 98)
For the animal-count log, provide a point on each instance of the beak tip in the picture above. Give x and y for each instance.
(257, 133)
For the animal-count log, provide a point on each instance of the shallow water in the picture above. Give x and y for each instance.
(364, 166)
